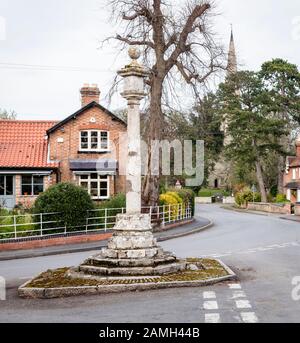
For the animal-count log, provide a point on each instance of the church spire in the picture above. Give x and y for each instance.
(232, 59)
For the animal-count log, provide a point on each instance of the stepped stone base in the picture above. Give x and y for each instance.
(58, 283)
(128, 271)
(132, 251)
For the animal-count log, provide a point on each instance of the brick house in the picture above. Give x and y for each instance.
(82, 148)
(292, 175)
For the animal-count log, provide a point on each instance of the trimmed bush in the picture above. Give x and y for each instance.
(170, 200)
(188, 196)
(176, 196)
(117, 201)
(167, 199)
(281, 198)
(109, 208)
(245, 196)
(70, 200)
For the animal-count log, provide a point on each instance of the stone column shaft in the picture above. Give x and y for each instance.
(134, 75)
(133, 174)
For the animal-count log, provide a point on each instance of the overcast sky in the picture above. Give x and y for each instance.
(67, 33)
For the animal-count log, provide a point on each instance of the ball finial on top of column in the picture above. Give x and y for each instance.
(134, 53)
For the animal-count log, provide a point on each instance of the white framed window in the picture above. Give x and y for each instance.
(294, 173)
(93, 140)
(32, 184)
(97, 185)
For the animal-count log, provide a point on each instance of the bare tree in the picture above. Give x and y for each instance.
(179, 49)
(7, 115)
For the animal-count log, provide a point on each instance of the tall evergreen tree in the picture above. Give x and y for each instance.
(253, 132)
(282, 81)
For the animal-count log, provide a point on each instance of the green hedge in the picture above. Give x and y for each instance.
(24, 223)
(117, 201)
(281, 198)
(207, 192)
(188, 196)
(185, 194)
(245, 196)
(111, 208)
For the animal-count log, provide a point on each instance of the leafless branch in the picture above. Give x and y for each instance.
(135, 42)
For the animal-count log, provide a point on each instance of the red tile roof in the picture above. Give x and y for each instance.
(23, 144)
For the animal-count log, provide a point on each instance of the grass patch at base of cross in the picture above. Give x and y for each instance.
(59, 278)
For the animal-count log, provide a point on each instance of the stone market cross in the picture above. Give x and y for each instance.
(132, 260)
(133, 250)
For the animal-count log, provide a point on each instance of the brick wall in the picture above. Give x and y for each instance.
(64, 142)
(53, 242)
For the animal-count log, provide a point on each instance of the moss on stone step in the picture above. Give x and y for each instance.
(58, 277)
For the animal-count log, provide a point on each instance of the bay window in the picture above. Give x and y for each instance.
(96, 185)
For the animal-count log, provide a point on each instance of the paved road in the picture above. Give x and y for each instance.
(263, 250)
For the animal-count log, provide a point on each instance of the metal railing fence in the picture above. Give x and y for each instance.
(43, 225)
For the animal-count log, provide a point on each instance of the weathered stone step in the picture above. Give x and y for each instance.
(134, 271)
(146, 262)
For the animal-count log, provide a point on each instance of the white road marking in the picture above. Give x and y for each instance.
(243, 304)
(218, 255)
(276, 246)
(210, 305)
(264, 249)
(209, 295)
(234, 286)
(238, 294)
(249, 317)
(254, 250)
(212, 318)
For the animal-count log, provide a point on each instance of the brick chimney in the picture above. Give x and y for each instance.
(89, 93)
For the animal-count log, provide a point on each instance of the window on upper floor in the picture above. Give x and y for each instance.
(294, 173)
(94, 140)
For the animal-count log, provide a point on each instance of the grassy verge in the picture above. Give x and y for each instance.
(23, 223)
